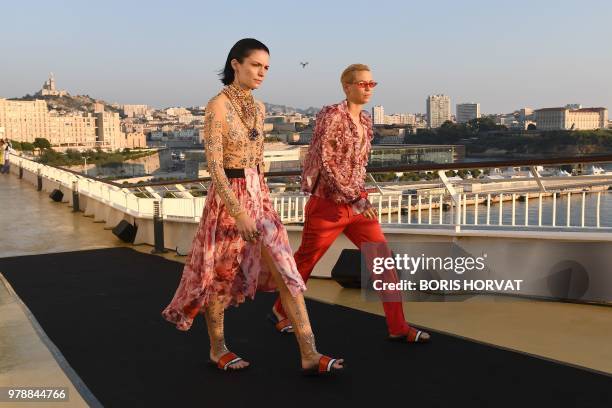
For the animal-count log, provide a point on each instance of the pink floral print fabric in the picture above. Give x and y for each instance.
(335, 165)
(220, 263)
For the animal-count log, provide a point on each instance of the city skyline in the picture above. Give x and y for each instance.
(529, 55)
(40, 93)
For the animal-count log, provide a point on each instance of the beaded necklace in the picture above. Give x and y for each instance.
(244, 104)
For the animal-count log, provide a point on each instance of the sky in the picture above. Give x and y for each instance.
(504, 55)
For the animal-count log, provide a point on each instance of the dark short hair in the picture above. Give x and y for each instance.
(239, 52)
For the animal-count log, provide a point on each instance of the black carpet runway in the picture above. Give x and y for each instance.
(101, 309)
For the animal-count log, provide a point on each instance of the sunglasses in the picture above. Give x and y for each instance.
(363, 84)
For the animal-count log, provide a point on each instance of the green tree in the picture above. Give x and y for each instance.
(74, 155)
(483, 124)
(42, 143)
(383, 177)
(50, 156)
(462, 173)
(27, 147)
(448, 125)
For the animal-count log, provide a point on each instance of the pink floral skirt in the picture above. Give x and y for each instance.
(221, 264)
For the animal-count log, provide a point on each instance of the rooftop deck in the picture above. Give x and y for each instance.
(575, 334)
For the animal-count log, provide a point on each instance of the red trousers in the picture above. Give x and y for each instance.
(325, 221)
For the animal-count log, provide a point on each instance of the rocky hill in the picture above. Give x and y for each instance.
(69, 103)
(272, 108)
(85, 103)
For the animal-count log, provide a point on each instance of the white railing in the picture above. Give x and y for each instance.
(561, 209)
(179, 208)
(290, 207)
(501, 209)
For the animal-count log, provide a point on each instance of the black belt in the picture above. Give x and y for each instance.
(236, 173)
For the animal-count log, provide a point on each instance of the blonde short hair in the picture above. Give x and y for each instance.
(348, 73)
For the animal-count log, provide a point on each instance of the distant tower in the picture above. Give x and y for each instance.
(49, 89)
(467, 111)
(51, 82)
(378, 115)
(438, 110)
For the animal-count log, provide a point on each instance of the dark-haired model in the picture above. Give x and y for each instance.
(241, 245)
(334, 174)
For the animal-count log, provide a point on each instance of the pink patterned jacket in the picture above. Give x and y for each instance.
(335, 164)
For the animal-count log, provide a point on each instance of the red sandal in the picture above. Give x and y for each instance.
(282, 326)
(227, 360)
(413, 336)
(325, 367)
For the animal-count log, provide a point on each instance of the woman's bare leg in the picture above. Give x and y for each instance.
(295, 307)
(214, 314)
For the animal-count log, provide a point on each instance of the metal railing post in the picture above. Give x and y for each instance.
(455, 197)
(158, 228)
(75, 196)
(536, 175)
(39, 179)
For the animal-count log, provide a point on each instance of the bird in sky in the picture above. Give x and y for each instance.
(304, 64)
